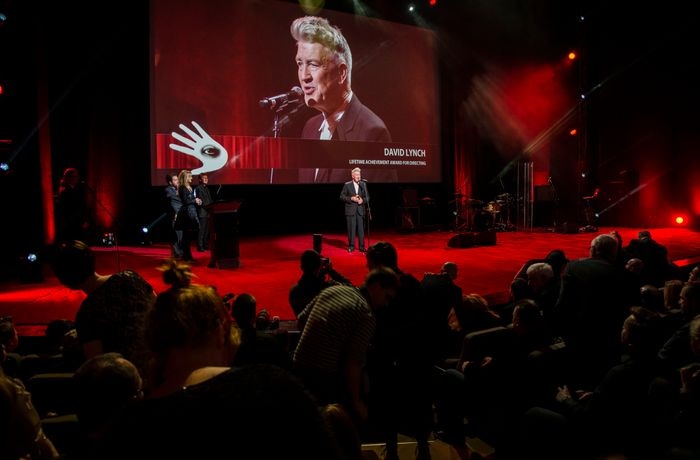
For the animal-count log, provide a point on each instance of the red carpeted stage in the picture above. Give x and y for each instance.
(270, 265)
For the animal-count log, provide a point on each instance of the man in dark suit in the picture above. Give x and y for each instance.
(201, 191)
(355, 196)
(595, 298)
(173, 206)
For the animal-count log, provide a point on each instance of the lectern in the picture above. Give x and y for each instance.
(223, 234)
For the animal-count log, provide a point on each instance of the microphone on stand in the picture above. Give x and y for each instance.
(274, 102)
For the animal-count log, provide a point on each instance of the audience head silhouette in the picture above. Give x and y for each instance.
(73, 262)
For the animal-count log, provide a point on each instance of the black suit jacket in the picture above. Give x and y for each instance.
(358, 123)
(351, 207)
(173, 200)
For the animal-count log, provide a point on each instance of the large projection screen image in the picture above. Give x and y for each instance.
(234, 96)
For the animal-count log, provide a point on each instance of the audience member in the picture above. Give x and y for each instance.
(331, 354)
(473, 314)
(400, 363)
(594, 300)
(187, 328)
(9, 340)
(344, 431)
(61, 352)
(21, 435)
(317, 273)
(677, 352)
(259, 411)
(111, 316)
(192, 339)
(442, 294)
(106, 385)
(672, 294)
(257, 346)
(615, 417)
(657, 267)
(545, 286)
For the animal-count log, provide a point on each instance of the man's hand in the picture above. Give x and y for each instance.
(201, 146)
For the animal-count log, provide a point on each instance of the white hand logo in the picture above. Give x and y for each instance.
(201, 146)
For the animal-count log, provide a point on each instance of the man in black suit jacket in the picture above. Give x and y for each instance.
(173, 206)
(355, 196)
(595, 298)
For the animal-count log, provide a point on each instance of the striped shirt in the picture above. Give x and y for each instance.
(339, 328)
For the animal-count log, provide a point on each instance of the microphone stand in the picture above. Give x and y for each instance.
(368, 212)
(556, 203)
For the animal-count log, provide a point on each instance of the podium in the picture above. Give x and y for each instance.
(223, 234)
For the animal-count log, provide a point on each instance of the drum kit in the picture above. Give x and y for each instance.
(477, 215)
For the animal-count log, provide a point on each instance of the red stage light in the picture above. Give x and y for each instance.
(679, 220)
(432, 2)
(572, 55)
(573, 132)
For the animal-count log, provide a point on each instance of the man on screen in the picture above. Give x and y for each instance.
(324, 68)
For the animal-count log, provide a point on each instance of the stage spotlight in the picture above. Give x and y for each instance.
(572, 55)
(30, 268)
(4, 167)
(680, 220)
(145, 237)
(411, 8)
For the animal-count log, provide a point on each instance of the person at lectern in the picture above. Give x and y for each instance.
(356, 197)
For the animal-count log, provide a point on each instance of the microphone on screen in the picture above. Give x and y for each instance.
(274, 102)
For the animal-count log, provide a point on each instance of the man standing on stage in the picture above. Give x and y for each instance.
(173, 206)
(355, 196)
(201, 191)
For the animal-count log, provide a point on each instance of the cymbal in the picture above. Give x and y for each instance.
(503, 196)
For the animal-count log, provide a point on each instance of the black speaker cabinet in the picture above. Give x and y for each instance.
(471, 239)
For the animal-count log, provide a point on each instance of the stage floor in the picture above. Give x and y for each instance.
(270, 266)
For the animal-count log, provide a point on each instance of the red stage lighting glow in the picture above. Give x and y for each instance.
(573, 131)
(572, 55)
(679, 220)
(432, 2)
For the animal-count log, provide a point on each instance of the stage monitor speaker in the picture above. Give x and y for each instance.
(471, 239)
